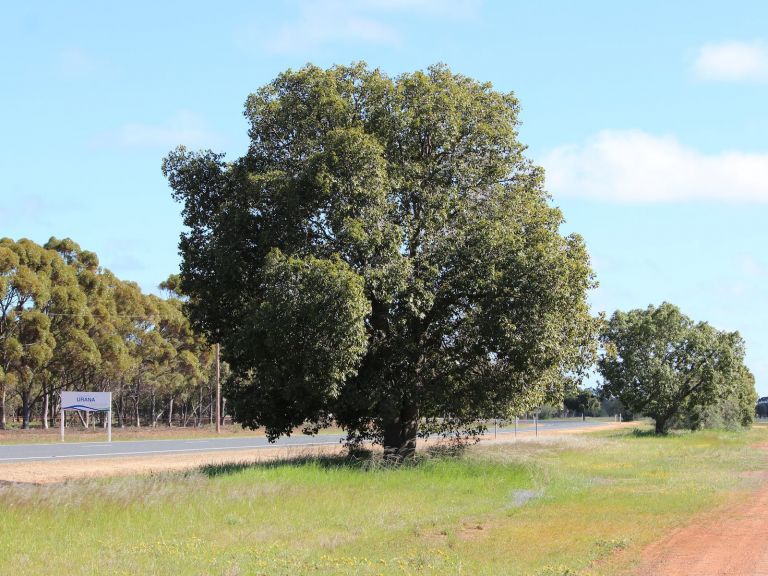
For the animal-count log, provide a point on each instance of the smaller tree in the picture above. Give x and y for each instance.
(583, 402)
(659, 362)
(733, 410)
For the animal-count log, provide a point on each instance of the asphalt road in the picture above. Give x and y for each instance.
(27, 452)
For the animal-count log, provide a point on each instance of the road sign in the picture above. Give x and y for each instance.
(90, 402)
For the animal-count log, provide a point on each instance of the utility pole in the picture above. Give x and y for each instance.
(218, 389)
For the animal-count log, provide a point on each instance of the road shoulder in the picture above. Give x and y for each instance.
(727, 541)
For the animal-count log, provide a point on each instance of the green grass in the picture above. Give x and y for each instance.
(556, 506)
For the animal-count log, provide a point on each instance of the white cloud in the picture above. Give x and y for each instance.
(633, 166)
(443, 8)
(321, 23)
(730, 61)
(329, 22)
(183, 128)
(752, 267)
(74, 63)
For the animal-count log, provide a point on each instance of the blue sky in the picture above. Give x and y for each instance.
(650, 119)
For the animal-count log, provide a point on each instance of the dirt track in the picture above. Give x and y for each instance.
(730, 540)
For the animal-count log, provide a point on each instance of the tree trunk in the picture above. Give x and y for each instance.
(137, 402)
(189, 414)
(26, 409)
(46, 402)
(2, 406)
(120, 411)
(199, 414)
(662, 425)
(138, 416)
(170, 412)
(400, 434)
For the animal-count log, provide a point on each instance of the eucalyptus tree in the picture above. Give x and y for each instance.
(183, 373)
(66, 322)
(114, 307)
(384, 255)
(14, 293)
(44, 322)
(27, 341)
(657, 361)
(76, 355)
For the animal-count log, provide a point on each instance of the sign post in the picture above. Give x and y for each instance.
(218, 389)
(90, 402)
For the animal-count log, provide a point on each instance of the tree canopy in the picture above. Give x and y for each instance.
(659, 362)
(734, 408)
(385, 255)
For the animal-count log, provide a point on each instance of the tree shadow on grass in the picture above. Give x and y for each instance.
(634, 433)
(649, 433)
(328, 462)
(362, 460)
(646, 433)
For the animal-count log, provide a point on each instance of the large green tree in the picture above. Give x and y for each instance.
(385, 255)
(659, 362)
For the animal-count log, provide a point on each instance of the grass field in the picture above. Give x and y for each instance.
(556, 506)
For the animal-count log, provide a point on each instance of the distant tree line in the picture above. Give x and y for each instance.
(586, 402)
(67, 323)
